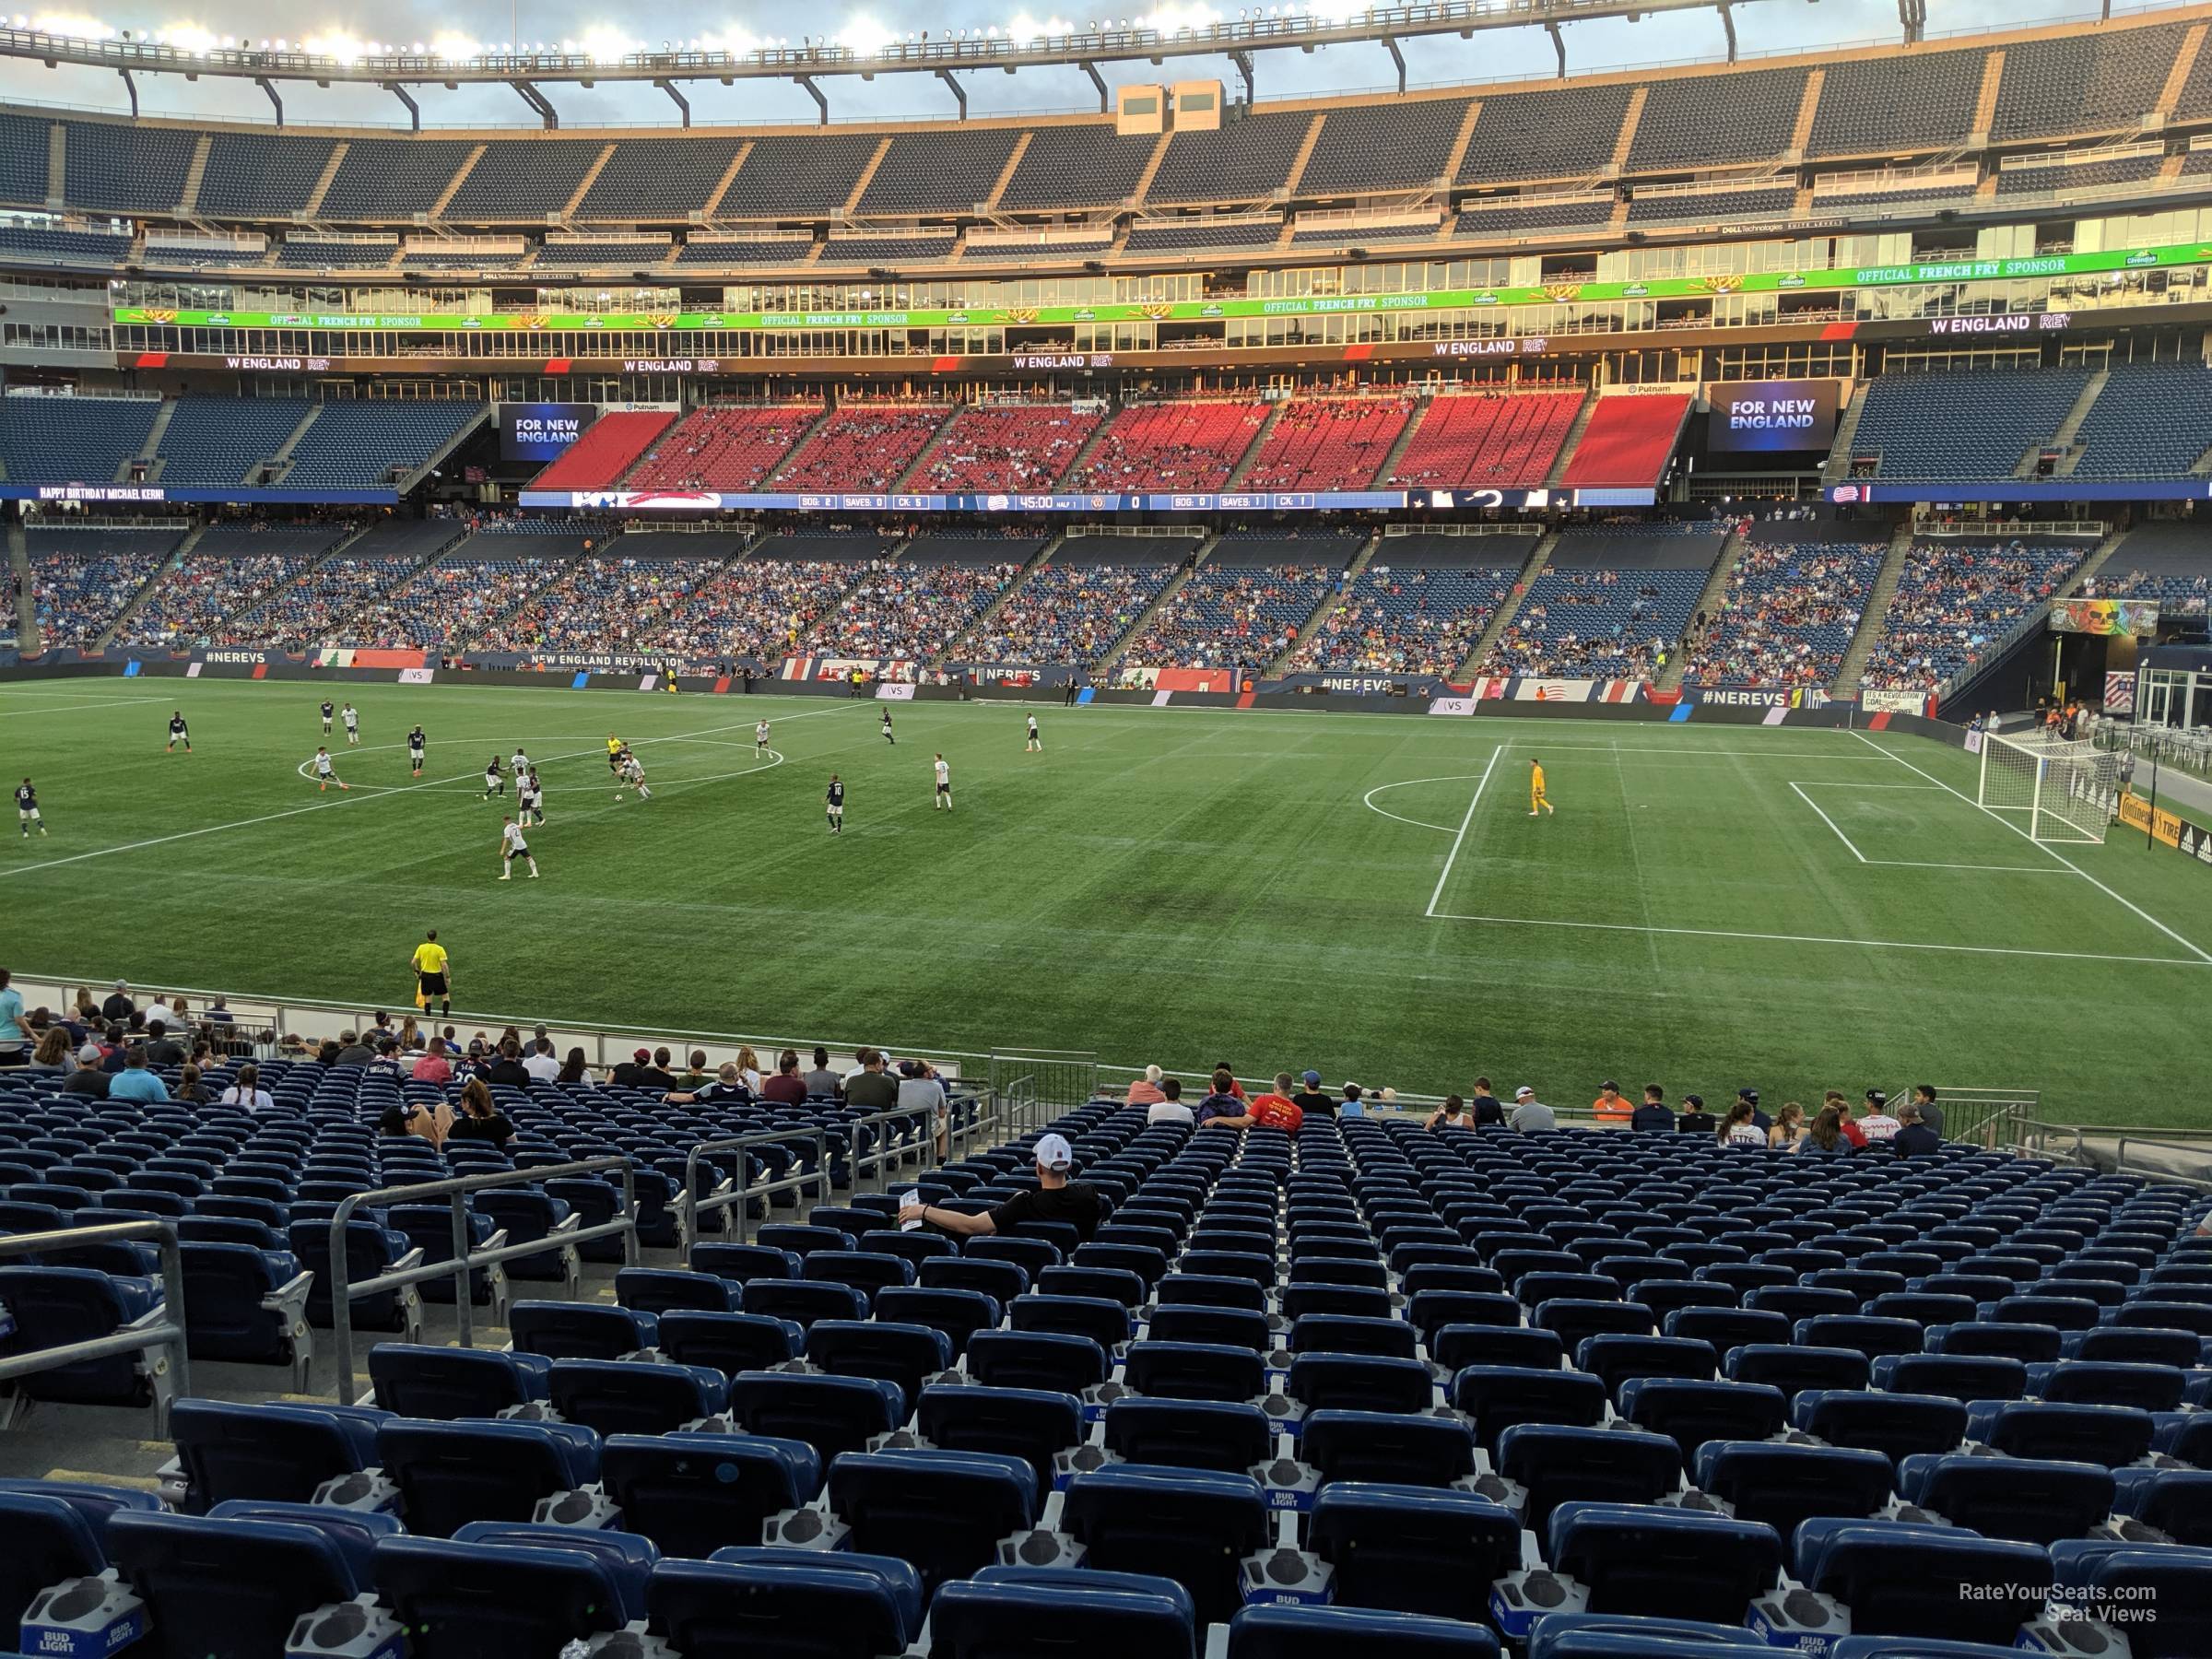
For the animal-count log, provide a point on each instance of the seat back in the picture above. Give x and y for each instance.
(493, 1601)
(784, 1605)
(693, 1494)
(278, 1453)
(227, 1586)
(1414, 1549)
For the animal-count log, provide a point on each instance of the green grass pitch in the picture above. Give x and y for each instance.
(1712, 905)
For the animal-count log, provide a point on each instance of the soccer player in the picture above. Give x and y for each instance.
(887, 728)
(495, 779)
(634, 774)
(529, 798)
(324, 774)
(837, 805)
(511, 847)
(943, 784)
(353, 727)
(433, 974)
(416, 743)
(27, 808)
(1537, 800)
(760, 738)
(518, 763)
(1036, 743)
(178, 733)
(327, 712)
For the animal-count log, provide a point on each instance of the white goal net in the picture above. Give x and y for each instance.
(2059, 791)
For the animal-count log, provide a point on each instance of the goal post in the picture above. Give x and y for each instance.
(2057, 790)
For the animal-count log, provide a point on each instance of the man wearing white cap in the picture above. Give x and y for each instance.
(1057, 1198)
(1531, 1116)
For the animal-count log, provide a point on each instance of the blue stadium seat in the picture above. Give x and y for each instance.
(2109, 1383)
(1794, 1369)
(570, 1330)
(741, 1263)
(802, 1302)
(661, 1289)
(55, 1306)
(2109, 1436)
(1304, 1632)
(444, 1384)
(625, 1396)
(1192, 1370)
(450, 1474)
(832, 1414)
(779, 1604)
(693, 1494)
(1895, 1424)
(1634, 1636)
(493, 1601)
(1783, 1485)
(942, 1512)
(1229, 1438)
(1401, 1448)
(1191, 1526)
(1034, 1425)
(1929, 1583)
(1555, 1465)
(2159, 1596)
(1035, 1359)
(1692, 1413)
(908, 1355)
(2177, 1501)
(959, 1314)
(1959, 1376)
(1667, 1563)
(49, 1542)
(236, 1587)
(1105, 1323)
(1613, 1359)
(1413, 1549)
(2030, 1344)
(728, 1343)
(277, 1454)
(1003, 1610)
(2034, 1501)
(628, 1558)
(1498, 1396)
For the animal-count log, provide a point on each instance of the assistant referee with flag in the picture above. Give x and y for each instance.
(433, 975)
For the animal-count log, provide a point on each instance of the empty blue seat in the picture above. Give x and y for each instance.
(529, 1216)
(1035, 1359)
(860, 1270)
(1555, 1465)
(1398, 1448)
(1361, 1382)
(2159, 1597)
(450, 1474)
(53, 1307)
(908, 1355)
(1498, 1396)
(957, 1313)
(1692, 1413)
(1033, 1424)
(1188, 1525)
(1615, 1358)
(1959, 1376)
(219, 1587)
(2111, 1382)
(741, 1263)
(371, 1251)
(279, 1454)
(2031, 1344)
(493, 1601)
(1897, 1425)
(1002, 1281)
(444, 1384)
(779, 1604)
(1003, 1610)
(2177, 1501)
(1793, 1369)
(803, 1303)
(1457, 1346)
(942, 1512)
(1634, 1636)
(1668, 1563)
(625, 1396)
(2031, 1500)
(1193, 1370)
(568, 1330)
(728, 1343)
(1413, 1549)
(1783, 1485)
(693, 1494)
(628, 1558)
(1930, 1583)
(1105, 1323)
(660, 1289)
(2109, 1436)
(1231, 1437)
(49, 1542)
(1305, 1632)
(833, 1415)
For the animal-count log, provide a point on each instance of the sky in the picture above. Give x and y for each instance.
(1606, 43)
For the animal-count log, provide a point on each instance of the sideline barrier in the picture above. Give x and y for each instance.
(465, 1260)
(738, 1192)
(170, 1375)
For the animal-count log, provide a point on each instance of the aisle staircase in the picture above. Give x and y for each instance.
(1101, 669)
(1330, 602)
(1878, 607)
(1708, 605)
(1538, 557)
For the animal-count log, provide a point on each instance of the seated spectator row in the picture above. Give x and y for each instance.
(1073, 609)
(1955, 600)
(1409, 616)
(1788, 617)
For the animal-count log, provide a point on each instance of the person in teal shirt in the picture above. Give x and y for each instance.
(133, 1082)
(13, 1038)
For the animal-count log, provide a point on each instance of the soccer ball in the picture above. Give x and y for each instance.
(618, 794)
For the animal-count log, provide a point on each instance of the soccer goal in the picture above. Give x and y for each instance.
(2065, 792)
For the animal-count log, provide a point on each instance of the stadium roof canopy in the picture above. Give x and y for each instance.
(948, 56)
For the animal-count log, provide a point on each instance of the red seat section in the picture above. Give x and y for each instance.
(1627, 442)
(727, 447)
(1171, 446)
(604, 451)
(1329, 443)
(1017, 446)
(1491, 440)
(863, 447)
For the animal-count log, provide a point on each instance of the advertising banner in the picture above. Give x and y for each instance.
(1764, 416)
(895, 692)
(1537, 689)
(1302, 500)
(1754, 697)
(2119, 691)
(2117, 619)
(542, 431)
(1897, 702)
(2162, 826)
(1451, 705)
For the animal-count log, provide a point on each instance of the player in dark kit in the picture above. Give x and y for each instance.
(327, 712)
(837, 805)
(495, 779)
(416, 743)
(27, 808)
(178, 733)
(887, 730)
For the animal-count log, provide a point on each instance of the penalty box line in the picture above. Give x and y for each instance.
(1799, 787)
(348, 799)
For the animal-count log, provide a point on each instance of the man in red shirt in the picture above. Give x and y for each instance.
(1278, 1096)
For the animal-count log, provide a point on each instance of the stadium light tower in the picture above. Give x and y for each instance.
(945, 57)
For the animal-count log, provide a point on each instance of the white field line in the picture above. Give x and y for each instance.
(101, 702)
(1801, 785)
(1368, 800)
(2053, 851)
(1473, 802)
(1714, 932)
(1797, 790)
(348, 799)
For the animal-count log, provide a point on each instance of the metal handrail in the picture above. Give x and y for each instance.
(2179, 1144)
(883, 1155)
(741, 1189)
(169, 1334)
(464, 1262)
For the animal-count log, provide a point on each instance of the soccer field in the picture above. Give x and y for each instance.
(1710, 906)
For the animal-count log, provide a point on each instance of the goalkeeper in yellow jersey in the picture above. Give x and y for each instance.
(1537, 800)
